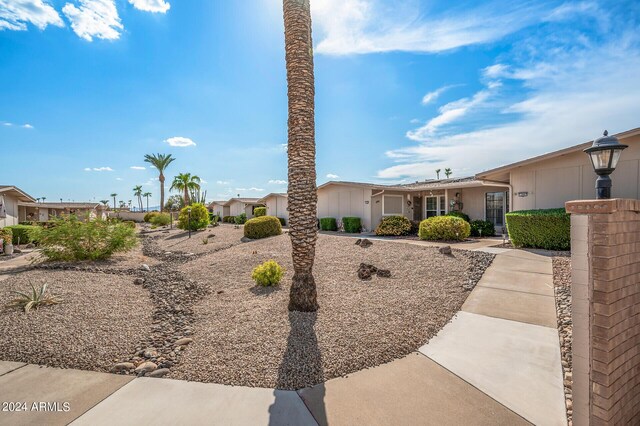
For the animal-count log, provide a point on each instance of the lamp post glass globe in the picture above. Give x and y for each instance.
(604, 155)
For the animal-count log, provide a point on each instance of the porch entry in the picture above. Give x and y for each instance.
(417, 208)
(496, 205)
(435, 206)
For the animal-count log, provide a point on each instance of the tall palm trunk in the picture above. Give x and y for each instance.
(302, 191)
(186, 196)
(161, 179)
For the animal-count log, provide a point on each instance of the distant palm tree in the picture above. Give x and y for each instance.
(301, 152)
(147, 195)
(122, 204)
(114, 195)
(37, 200)
(104, 202)
(44, 198)
(185, 182)
(137, 191)
(160, 162)
(447, 172)
(438, 173)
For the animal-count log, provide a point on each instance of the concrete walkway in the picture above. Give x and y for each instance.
(496, 363)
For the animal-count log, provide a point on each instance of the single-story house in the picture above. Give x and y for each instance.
(277, 204)
(42, 212)
(242, 205)
(219, 208)
(545, 181)
(10, 197)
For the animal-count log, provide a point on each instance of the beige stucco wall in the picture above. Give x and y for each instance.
(473, 199)
(235, 208)
(218, 209)
(550, 183)
(277, 206)
(11, 207)
(340, 200)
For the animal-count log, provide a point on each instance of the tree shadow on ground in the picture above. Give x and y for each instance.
(264, 291)
(301, 366)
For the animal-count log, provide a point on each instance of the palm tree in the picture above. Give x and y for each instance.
(447, 172)
(114, 195)
(147, 195)
(301, 153)
(438, 173)
(185, 182)
(104, 202)
(160, 162)
(137, 191)
(44, 198)
(37, 200)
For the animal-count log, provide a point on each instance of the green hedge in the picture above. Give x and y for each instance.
(262, 227)
(460, 215)
(328, 224)
(240, 219)
(161, 219)
(24, 233)
(228, 219)
(548, 229)
(147, 217)
(351, 225)
(444, 228)
(394, 225)
(6, 235)
(199, 217)
(260, 211)
(482, 228)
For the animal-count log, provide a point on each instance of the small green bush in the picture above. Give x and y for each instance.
(268, 274)
(460, 215)
(444, 228)
(161, 219)
(262, 227)
(26, 234)
(328, 224)
(394, 225)
(351, 224)
(6, 235)
(548, 229)
(283, 221)
(482, 228)
(147, 217)
(260, 211)
(72, 240)
(199, 217)
(240, 219)
(228, 219)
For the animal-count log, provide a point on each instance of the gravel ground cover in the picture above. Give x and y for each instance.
(244, 335)
(562, 288)
(101, 317)
(209, 240)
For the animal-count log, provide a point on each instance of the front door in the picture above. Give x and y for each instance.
(495, 207)
(417, 208)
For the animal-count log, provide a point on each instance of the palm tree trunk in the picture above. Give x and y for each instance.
(302, 190)
(161, 179)
(186, 196)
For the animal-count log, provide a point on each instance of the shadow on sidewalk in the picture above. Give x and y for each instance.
(301, 358)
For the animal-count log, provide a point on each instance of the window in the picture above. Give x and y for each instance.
(495, 207)
(392, 205)
(435, 206)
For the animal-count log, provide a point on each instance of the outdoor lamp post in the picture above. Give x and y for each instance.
(189, 220)
(604, 154)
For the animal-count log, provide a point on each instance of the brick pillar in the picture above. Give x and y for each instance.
(605, 268)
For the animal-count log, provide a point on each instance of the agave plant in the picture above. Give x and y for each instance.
(33, 300)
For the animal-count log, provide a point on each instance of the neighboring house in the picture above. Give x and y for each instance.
(242, 205)
(10, 197)
(219, 208)
(42, 212)
(277, 204)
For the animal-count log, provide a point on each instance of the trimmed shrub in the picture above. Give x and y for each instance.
(328, 224)
(24, 233)
(240, 219)
(130, 223)
(161, 219)
(199, 217)
(548, 229)
(268, 274)
(351, 225)
(147, 217)
(260, 211)
(228, 219)
(482, 228)
(444, 228)
(460, 215)
(394, 225)
(262, 227)
(283, 221)
(72, 240)
(6, 235)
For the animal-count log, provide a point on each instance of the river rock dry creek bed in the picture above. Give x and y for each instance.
(188, 309)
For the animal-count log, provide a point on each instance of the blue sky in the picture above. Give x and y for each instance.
(90, 86)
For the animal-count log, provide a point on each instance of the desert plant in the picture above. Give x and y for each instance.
(6, 235)
(205, 241)
(260, 211)
(147, 217)
(161, 219)
(240, 219)
(460, 215)
(394, 225)
(199, 217)
(160, 162)
(328, 224)
(34, 299)
(24, 233)
(131, 224)
(72, 240)
(262, 227)
(268, 274)
(186, 183)
(546, 229)
(351, 224)
(444, 228)
(482, 228)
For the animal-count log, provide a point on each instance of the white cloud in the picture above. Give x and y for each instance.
(180, 141)
(277, 182)
(98, 169)
(138, 168)
(433, 96)
(252, 189)
(119, 178)
(27, 126)
(222, 182)
(94, 18)
(16, 14)
(332, 176)
(154, 6)
(6, 123)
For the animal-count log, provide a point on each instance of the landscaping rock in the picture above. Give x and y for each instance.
(365, 243)
(359, 241)
(385, 273)
(138, 281)
(159, 372)
(562, 291)
(445, 250)
(183, 341)
(145, 267)
(366, 271)
(123, 366)
(150, 353)
(146, 367)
